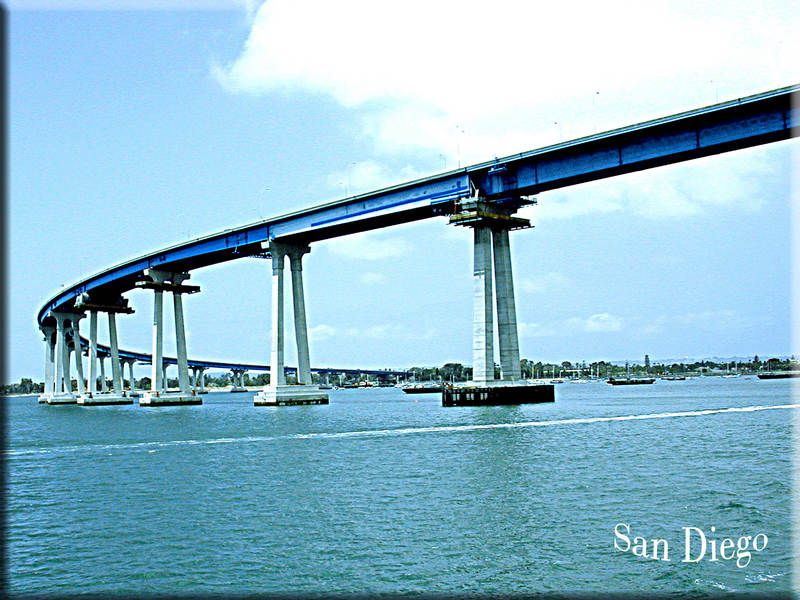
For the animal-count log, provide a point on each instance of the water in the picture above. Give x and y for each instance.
(382, 492)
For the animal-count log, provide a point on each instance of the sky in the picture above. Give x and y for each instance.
(131, 130)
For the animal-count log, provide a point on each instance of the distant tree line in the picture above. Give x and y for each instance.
(457, 372)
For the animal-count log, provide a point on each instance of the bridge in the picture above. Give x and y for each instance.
(483, 197)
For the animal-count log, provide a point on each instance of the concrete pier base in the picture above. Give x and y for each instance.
(155, 399)
(290, 395)
(104, 399)
(63, 398)
(497, 393)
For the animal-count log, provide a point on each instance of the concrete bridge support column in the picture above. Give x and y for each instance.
(491, 222)
(180, 343)
(300, 328)
(62, 392)
(238, 380)
(157, 367)
(49, 364)
(131, 362)
(202, 375)
(159, 282)
(67, 368)
(276, 363)
(482, 324)
(277, 392)
(506, 309)
(103, 386)
(76, 342)
(92, 382)
(116, 395)
(116, 371)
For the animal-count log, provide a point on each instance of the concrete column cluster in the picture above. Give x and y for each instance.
(165, 280)
(277, 392)
(492, 249)
(49, 363)
(238, 380)
(295, 253)
(198, 380)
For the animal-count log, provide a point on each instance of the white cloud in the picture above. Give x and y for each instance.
(369, 246)
(388, 331)
(602, 322)
(527, 330)
(369, 175)
(419, 76)
(248, 5)
(544, 282)
(735, 181)
(598, 323)
(321, 332)
(371, 278)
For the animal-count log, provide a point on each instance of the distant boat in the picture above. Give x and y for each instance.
(422, 388)
(631, 381)
(779, 375)
(674, 378)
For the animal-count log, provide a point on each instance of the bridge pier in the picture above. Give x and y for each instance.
(199, 380)
(131, 380)
(76, 348)
(103, 384)
(277, 393)
(49, 363)
(491, 222)
(238, 380)
(62, 389)
(89, 396)
(159, 282)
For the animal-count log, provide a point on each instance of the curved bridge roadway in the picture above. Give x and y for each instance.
(482, 196)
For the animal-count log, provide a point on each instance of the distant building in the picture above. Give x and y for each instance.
(646, 361)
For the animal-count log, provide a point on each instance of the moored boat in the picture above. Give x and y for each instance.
(779, 375)
(422, 388)
(631, 381)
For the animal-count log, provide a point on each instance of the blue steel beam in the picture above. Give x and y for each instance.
(144, 358)
(723, 127)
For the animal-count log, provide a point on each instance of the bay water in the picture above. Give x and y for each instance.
(381, 492)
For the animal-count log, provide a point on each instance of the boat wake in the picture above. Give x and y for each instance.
(370, 433)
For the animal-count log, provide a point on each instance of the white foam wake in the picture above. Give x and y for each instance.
(33, 452)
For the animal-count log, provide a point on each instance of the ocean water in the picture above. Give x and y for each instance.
(383, 492)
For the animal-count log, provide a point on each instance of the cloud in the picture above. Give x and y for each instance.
(545, 282)
(423, 92)
(415, 79)
(321, 332)
(602, 322)
(734, 181)
(369, 175)
(248, 5)
(369, 246)
(389, 331)
(371, 278)
(598, 323)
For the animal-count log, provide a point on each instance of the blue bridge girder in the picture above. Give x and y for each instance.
(144, 358)
(732, 125)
